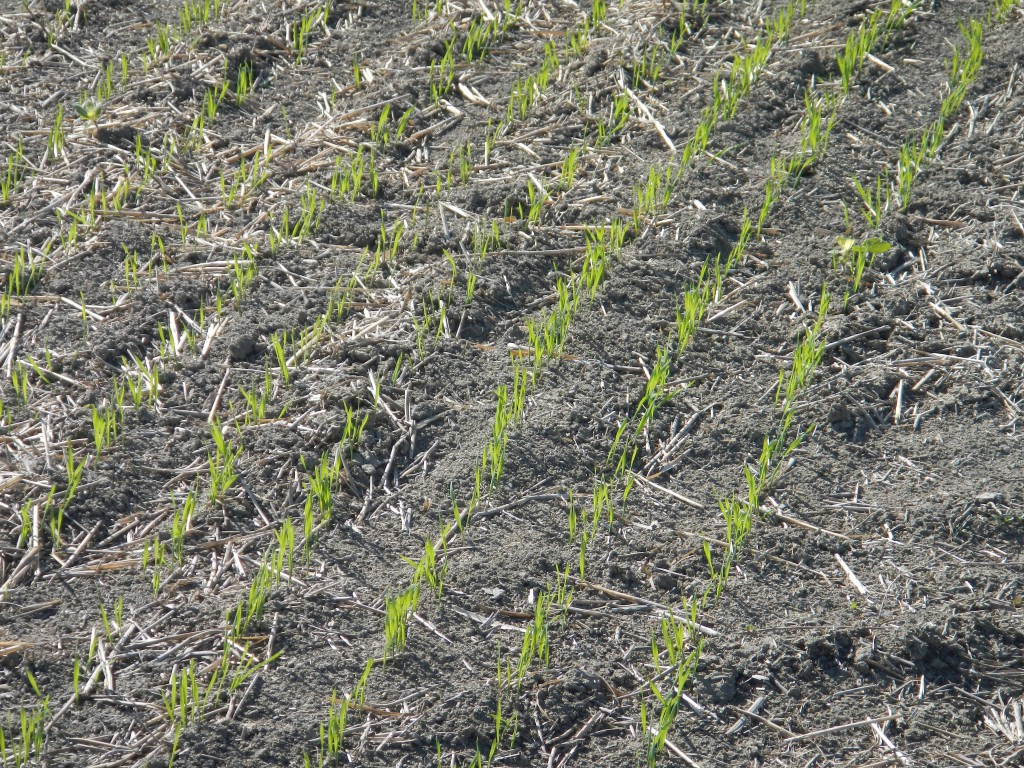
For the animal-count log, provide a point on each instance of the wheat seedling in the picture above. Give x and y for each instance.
(221, 463)
(399, 609)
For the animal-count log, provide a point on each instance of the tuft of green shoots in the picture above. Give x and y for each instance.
(57, 138)
(681, 649)
(221, 463)
(17, 168)
(244, 82)
(398, 611)
(856, 257)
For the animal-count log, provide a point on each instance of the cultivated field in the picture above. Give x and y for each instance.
(517, 384)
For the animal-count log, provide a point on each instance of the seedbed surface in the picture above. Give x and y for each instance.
(484, 383)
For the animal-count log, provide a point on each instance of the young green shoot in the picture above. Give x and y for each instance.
(221, 463)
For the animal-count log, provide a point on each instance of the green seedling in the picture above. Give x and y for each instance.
(62, 19)
(75, 675)
(537, 196)
(379, 134)
(508, 414)
(806, 358)
(256, 601)
(89, 110)
(856, 257)
(357, 78)
(465, 162)
(25, 515)
(690, 313)
(601, 503)
(157, 46)
(249, 177)
(858, 44)
(57, 138)
(197, 13)
(256, 400)
(403, 123)
(777, 176)
(285, 553)
(771, 461)
(647, 69)
(23, 740)
(745, 71)
(737, 513)
(874, 201)
(820, 114)
(302, 30)
(738, 517)
(212, 100)
(131, 267)
(692, 16)
(249, 612)
(536, 642)
(181, 524)
(506, 728)
(352, 435)
(26, 271)
(17, 168)
(656, 394)
(112, 625)
(486, 240)
(682, 650)
(569, 166)
(42, 374)
(74, 474)
(442, 73)
(279, 343)
(294, 231)
(243, 273)
(142, 380)
(332, 733)
(431, 324)
(323, 484)
(915, 153)
(188, 699)
(347, 179)
(104, 427)
(483, 34)
(156, 554)
(221, 463)
(964, 68)
(399, 609)
(523, 95)
(1001, 10)
(244, 82)
(426, 569)
(654, 196)
(908, 165)
(20, 383)
(573, 518)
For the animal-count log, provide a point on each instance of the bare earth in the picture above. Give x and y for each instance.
(229, 433)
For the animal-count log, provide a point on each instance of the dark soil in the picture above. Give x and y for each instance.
(875, 615)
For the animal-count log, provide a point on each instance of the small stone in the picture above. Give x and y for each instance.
(664, 581)
(721, 689)
(241, 347)
(861, 657)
